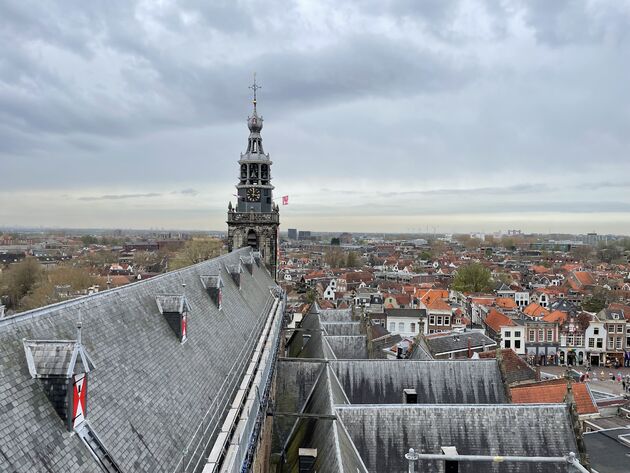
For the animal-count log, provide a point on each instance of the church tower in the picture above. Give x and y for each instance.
(255, 219)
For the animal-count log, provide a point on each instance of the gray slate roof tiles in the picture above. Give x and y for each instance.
(436, 382)
(383, 434)
(149, 392)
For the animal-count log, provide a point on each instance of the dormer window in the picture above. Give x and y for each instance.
(175, 309)
(235, 271)
(62, 367)
(248, 262)
(214, 286)
(257, 256)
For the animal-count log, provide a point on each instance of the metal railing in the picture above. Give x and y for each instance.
(212, 418)
(258, 411)
(234, 447)
(253, 217)
(571, 461)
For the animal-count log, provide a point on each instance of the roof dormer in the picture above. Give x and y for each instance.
(62, 367)
(248, 262)
(175, 309)
(213, 285)
(235, 271)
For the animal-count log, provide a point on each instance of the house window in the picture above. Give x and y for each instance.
(541, 335)
(600, 343)
(591, 343)
(619, 328)
(532, 335)
(447, 321)
(517, 333)
(413, 327)
(432, 320)
(508, 333)
(618, 344)
(392, 326)
(401, 326)
(610, 342)
(507, 343)
(439, 320)
(517, 344)
(549, 335)
(596, 331)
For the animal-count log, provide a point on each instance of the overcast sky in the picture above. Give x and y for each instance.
(379, 115)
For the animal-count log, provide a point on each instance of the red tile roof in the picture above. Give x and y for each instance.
(556, 316)
(535, 310)
(495, 320)
(506, 302)
(555, 391)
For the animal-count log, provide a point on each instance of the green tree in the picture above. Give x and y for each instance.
(20, 279)
(311, 295)
(335, 241)
(608, 253)
(89, 240)
(196, 251)
(352, 260)
(334, 257)
(598, 300)
(473, 277)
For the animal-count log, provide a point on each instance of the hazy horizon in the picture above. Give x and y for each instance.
(387, 116)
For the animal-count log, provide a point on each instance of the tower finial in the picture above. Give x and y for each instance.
(254, 87)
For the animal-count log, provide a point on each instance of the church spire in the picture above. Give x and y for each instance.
(254, 88)
(255, 124)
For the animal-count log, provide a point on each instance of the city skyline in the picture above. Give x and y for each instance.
(459, 116)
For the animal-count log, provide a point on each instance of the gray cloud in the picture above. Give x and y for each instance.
(121, 196)
(439, 101)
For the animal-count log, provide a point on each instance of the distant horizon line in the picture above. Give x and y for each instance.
(25, 228)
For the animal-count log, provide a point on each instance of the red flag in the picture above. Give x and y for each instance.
(285, 200)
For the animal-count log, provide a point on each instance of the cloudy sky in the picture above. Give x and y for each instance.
(379, 115)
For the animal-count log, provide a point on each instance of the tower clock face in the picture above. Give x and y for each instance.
(253, 194)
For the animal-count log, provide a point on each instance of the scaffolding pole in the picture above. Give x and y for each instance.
(570, 460)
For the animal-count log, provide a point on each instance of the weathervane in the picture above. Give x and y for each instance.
(254, 87)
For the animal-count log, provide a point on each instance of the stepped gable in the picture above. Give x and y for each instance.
(148, 392)
(383, 434)
(436, 382)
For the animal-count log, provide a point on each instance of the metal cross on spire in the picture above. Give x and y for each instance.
(254, 87)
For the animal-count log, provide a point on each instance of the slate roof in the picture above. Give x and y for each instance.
(348, 347)
(413, 313)
(171, 303)
(516, 369)
(436, 382)
(342, 328)
(46, 358)
(607, 451)
(354, 416)
(452, 342)
(148, 392)
(383, 434)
